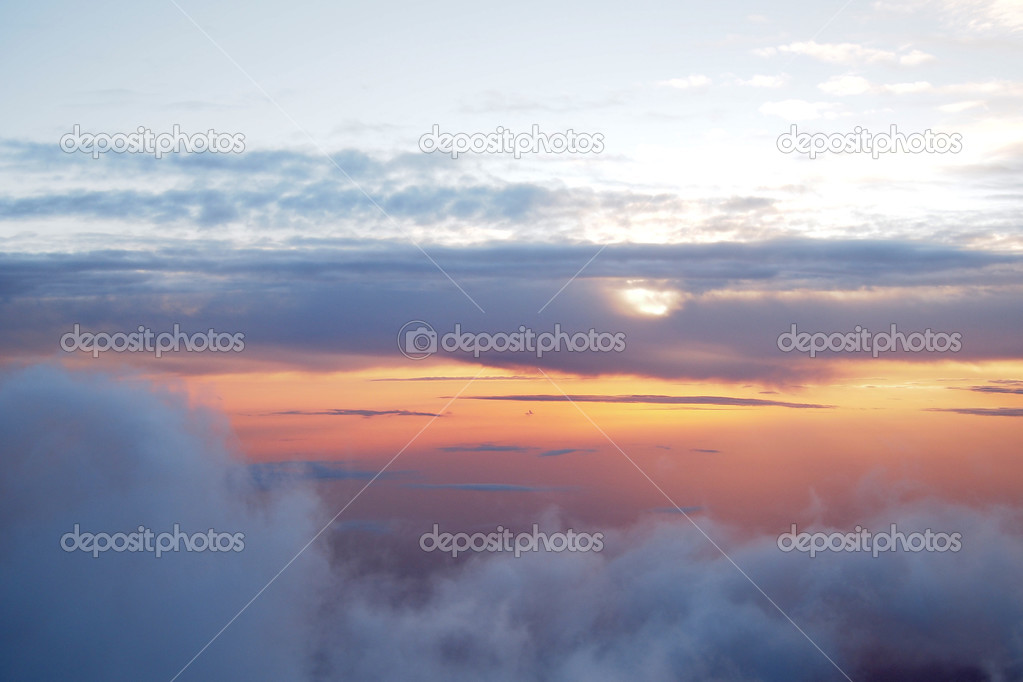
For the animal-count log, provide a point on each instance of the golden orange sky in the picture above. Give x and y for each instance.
(757, 464)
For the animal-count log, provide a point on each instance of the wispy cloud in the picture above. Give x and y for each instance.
(848, 53)
(981, 411)
(800, 110)
(479, 487)
(692, 82)
(269, 473)
(485, 447)
(462, 378)
(358, 413)
(564, 451)
(763, 81)
(676, 510)
(654, 400)
(990, 389)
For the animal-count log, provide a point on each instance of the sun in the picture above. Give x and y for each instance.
(652, 302)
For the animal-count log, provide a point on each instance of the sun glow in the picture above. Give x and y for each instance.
(652, 302)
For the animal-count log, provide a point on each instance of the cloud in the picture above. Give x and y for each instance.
(907, 88)
(267, 474)
(658, 603)
(956, 107)
(800, 110)
(677, 510)
(564, 451)
(271, 191)
(653, 400)
(319, 201)
(359, 413)
(290, 199)
(846, 85)
(704, 450)
(363, 526)
(466, 377)
(915, 57)
(848, 53)
(692, 82)
(762, 81)
(981, 411)
(503, 103)
(852, 84)
(991, 389)
(295, 305)
(485, 447)
(479, 487)
(110, 457)
(983, 16)
(86, 449)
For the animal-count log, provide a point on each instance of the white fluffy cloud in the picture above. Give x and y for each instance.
(689, 82)
(847, 53)
(800, 110)
(111, 457)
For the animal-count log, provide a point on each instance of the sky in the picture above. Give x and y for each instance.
(721, 282)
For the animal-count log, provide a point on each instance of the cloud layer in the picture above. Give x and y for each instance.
(659, 602)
